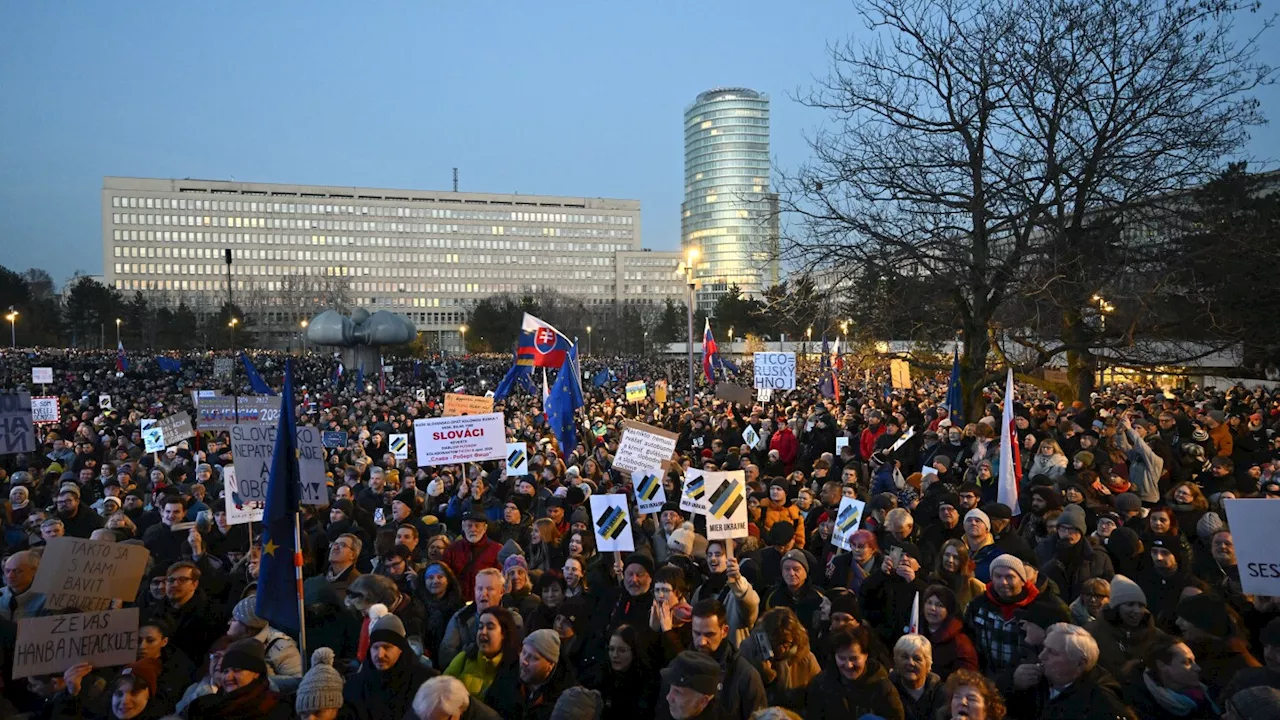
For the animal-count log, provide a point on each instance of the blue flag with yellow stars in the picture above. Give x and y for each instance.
(563, 402)
(278, 586)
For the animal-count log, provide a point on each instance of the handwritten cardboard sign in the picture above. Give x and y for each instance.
(89, 574)
(456, 404)
(644, 446)
(17, 432)
(48, 645)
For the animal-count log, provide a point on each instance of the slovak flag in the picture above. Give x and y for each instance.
(1010, 453)
(546, 393)
(541, 345)
(122, 364)
(709, 352)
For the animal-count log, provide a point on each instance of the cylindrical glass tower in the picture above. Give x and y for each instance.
(729, 211)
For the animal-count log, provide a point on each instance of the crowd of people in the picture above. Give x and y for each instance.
(1112, 590)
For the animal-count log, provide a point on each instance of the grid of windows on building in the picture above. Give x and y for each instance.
(428, 255)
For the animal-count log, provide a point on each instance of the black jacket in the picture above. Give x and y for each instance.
(741, 690)
(1095, 696)
(371, 694)
(512, 700)
(832, 697)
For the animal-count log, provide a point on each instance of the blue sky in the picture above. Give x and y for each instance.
(558, 98)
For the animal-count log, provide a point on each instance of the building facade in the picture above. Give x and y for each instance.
(730, 213)
(429, 255)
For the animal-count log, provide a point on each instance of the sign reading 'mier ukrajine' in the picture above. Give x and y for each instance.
(461, 439)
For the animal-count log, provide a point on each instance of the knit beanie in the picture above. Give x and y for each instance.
(245, 613)
(578, 703)
(1073, 516)
(247, 654)
(1257, 703)
(509, 548)
(976, 513)
(580, 515)
(641, 559)
(1207, 612)
(321, 687)
(1085, 458)
(681, 539)
(798, 556)
(1208, 525)
(1124, 590)
(515, 561)
(1127, 502)
(388, 629)
(546, 643)
(1009, 562)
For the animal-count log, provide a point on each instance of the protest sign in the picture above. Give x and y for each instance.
(636, 391)
(455, 405)
(50, 645)
(152, 436)
(42, 375)
(841, 443)
(644, 446)
(764, 394)
(775, 370)
(727, 505)
(900, 374)
(104, 402)
(88, 574)
(751, 437)
(647, 486)
(219, 413)
(612, 523)
(252, 447)
(222, 367)
(453, 440)
(399, 445)
(175, 428)
(848, 518)
(1255, 534)
(44, 409)
(17, 433)
(733, 393)
(910, 433)
(239, 510)
(420, 394)
(660, 392)
(517, 459)
(693, 498)
(333, 439)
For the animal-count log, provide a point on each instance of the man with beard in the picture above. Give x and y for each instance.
(389, 677)
(79, 521)
(472, 552)
(530, 688)
(741, 691)
(1068, 560)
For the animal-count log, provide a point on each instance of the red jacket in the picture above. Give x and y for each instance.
(784, 441)
(867, 440)
(467, 560)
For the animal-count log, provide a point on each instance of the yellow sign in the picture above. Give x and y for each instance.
(660, 392)
(636, 391)
(456, 404)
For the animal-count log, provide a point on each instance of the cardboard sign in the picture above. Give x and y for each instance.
(727, 505)
(775, 370)
(751, 437)
(152, 436)
(455, 405)
(252, 448)
(222, 367)
(49, 645)
(900, 374)
(660, 392)
(219, 413)
(175, 428)
(44, 409)
(17, 432)
(848, 519)
(42, 375)
(453, 440)
(644, 446)
(517, 459)
(104, 402)
(333, 439)
(636, 391)
(88, 574)
(612, 523)
(647, 486)
(239, 510)
(693, 498)
(399, 444)
(1257, 537)
(733, 393)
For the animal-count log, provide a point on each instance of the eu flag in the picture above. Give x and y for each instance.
(278, 586)
(564, 401)
(955, 398)
(256, 382)
(168, 364)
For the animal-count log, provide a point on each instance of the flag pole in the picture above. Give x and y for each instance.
(302, 614)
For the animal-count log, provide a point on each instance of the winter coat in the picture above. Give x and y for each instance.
(466, 560)
(1220, 660)
(510, 698)
(805, 603)
(476, 671)
(1054, 466)
(196, 625)
(933, 697)
(627, 696)
(952, 648)
(1070, 567)
(771, 513)
(284, 661)
(996, 630)
(1145, 466)
(741, 603)
(1118, 644)
(832, 697)
(29, 604)
(786, 682)
(784, 441)
(741, 690)
(255, 701)
(887, 602)
(372, 694)
(1095, 696)
(438, 612)
(1150, 701)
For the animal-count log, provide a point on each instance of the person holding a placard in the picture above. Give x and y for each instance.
(726, 584)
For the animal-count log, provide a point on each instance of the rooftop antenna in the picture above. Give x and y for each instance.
(455, 179)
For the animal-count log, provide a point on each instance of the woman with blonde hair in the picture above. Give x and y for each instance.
(954, 570)
(1049, 461)
(779, 650)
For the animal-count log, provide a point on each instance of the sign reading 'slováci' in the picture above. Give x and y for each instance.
(461, 439)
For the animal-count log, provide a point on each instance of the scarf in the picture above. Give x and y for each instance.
(1175, 702)
(1029, 593)
(253, 700)
(858, 574)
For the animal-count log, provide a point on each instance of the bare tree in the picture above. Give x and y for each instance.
(983, 148)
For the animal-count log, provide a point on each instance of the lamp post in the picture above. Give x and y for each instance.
(12, 317)
(462, 332)
(302, 336)
(1104, 307)
(808, 337)
(644, 338)
(588, 340)
(118, 332)
(691, 260)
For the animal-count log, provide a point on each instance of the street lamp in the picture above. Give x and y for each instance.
(808, 337)
(118, 321)
(731, 338)
(588, 340)
(644, 338)
(688, 266)
(12, 317)
(302, 336)
(462, 331)
(1104, 307)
